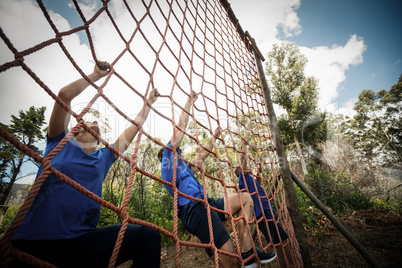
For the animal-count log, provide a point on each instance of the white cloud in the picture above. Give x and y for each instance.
(266, 19)
(329, 65)
(26, 29)
(347, 108)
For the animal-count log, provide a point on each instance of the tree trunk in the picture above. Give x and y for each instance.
(291, 200)
(9, 186)
(299, 151)
(6, 192)
(298, 147)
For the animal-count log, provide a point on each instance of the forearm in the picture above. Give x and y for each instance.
(207, 150)
(128, 135)
(184, 116)
(178, 134)
(204, 152)
(60, 118)
(72, 90)
(138, 121)
(243, 160)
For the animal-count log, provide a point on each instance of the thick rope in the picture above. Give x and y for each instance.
(216, 61)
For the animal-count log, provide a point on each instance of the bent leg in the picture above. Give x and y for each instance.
(279, 239)
(194, 218)
(227, 261)
(235, 204)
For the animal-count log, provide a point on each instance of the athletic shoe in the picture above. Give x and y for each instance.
(265, 257)
(251, 263)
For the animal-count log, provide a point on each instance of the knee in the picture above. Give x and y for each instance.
(146, 235)
(153, 235)
(246, 199)
(231, 262)
(225, 260)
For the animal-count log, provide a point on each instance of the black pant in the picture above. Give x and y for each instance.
(94, 249)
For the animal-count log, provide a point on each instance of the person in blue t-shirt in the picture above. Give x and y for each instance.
(264, 209)
(60, 227)
(193, 214)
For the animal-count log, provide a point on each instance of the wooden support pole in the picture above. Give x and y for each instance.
(236, 23)
(352, 240)
(256, 49)
(291, 200)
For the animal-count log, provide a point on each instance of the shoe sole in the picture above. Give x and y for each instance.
(255, 264)
(268, 260)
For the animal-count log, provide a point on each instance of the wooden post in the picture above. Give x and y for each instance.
(291, 200)
(342, 229)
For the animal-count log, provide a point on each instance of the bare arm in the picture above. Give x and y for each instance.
(178, 135)
(205, 153)
(60, 118)
(124, 140)
(243, 156)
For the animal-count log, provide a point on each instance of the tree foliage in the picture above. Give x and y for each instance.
(27, 128)
(376, 129)
(297, 94)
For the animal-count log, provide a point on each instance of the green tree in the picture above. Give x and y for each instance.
(9, 216)
(376, 129)
(141, 194)
(298, 95)
(27, 128)
(148, 199)
(391, 121)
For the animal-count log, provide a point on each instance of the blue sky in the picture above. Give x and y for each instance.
(328, 22)
(363, 35)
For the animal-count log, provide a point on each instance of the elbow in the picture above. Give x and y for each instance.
(64, 95)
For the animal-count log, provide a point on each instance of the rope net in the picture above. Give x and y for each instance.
(177, 47)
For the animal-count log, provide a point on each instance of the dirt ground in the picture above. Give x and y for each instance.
(379, 233)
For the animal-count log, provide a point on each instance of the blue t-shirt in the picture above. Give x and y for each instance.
(249, 181)
(185, 179)
(59, 211)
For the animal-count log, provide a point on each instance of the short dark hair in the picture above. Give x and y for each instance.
(237, 171)
(160, 154)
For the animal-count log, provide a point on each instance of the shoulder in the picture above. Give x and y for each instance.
(167, 152)
(56, 138)
(247, 176)
(106, 152)
(51, 142)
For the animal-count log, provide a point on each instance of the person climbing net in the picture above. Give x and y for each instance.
(189, 46)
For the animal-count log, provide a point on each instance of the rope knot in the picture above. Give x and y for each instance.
(19, 57)
(59, 36)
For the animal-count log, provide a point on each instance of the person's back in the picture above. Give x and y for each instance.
(185, 179)
(246, 181)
